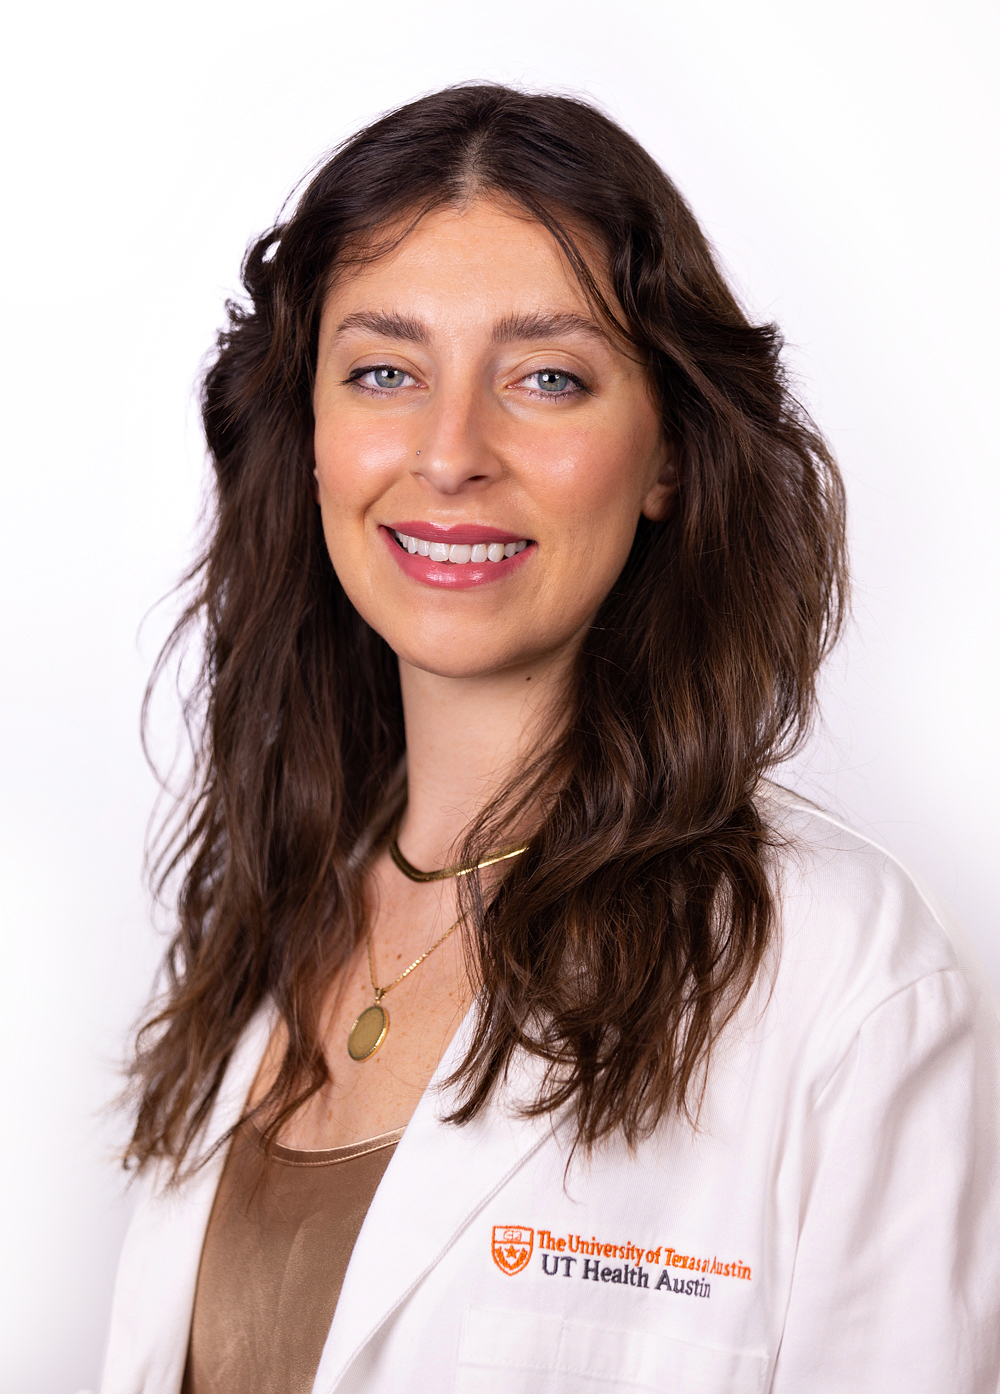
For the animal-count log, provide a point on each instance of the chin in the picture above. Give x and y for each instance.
(457, 660)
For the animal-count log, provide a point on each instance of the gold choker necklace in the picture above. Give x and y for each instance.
(447, 872)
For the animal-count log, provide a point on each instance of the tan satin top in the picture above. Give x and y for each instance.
(276, 1250)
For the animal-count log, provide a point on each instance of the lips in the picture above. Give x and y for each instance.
(456, 558)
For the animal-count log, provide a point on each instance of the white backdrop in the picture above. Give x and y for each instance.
(838, 155)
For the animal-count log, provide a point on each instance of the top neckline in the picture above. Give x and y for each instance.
(328, 1156)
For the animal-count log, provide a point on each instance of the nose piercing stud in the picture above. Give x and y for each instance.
(418, 452)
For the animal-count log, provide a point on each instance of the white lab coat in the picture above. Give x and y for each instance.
(832, 1225)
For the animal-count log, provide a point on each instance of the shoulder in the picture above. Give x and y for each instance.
(856, 928)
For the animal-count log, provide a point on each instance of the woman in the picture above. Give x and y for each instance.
(517, 1033)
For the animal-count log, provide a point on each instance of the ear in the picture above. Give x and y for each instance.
(659, 500)
(315, 486)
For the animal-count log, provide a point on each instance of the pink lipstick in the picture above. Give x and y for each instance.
(456, 557)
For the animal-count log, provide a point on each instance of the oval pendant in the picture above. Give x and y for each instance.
(368, 1032)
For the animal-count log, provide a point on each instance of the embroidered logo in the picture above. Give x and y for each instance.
(512, 1246)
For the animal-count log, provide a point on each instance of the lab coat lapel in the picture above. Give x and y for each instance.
(154, 1291)
(439, 1179)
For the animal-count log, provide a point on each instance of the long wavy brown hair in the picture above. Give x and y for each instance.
(622, 941)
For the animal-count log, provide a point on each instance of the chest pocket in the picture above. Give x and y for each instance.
(525, 1353)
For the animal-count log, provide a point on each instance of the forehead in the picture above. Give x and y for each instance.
(483, 259)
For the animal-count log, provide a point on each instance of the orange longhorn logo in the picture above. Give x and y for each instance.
(512, 1245)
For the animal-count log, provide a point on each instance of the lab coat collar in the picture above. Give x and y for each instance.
(439, 1179)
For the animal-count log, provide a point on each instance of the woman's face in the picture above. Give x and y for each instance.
(483, 448)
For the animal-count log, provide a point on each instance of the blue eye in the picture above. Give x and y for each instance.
(388, 377)
(550, 380)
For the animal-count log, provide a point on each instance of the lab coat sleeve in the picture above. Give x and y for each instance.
(896, 1284)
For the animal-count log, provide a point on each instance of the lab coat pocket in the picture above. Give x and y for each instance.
(517, 1352)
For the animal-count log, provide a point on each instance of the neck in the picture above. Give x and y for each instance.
(465, 738)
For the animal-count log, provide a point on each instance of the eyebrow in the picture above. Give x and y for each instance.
(510, 329)
(542, 326)
(386, 323)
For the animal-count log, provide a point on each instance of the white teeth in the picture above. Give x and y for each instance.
(461, 552)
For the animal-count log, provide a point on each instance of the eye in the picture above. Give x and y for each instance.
(383, 377)
(553, 382)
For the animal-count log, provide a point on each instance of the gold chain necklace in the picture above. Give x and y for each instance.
(372, 1026)
(447, 872)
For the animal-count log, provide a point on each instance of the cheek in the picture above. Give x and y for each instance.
(595, 483)
(353, 461)
(355, 465)
(349, 465)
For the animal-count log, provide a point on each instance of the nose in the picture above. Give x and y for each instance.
(454, 453)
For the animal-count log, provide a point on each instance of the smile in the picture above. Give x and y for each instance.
(460, 553)
(456, 558)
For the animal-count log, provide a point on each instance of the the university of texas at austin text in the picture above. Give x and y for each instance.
(573, 1256)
